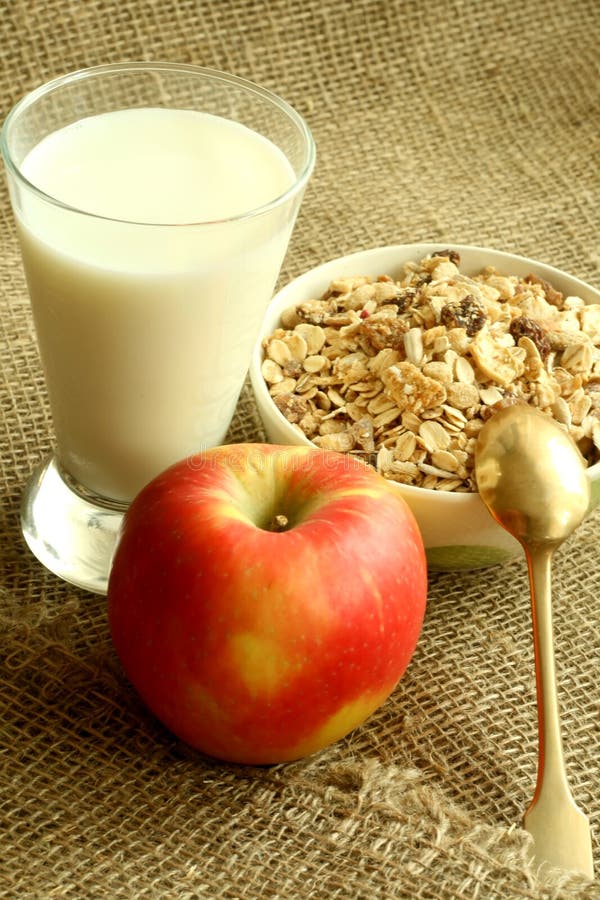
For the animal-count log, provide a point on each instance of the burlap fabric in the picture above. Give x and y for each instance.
(444, 120)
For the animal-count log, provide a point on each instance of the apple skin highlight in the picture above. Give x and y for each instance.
(265, 600)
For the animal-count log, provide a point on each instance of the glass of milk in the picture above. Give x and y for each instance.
(154, 204)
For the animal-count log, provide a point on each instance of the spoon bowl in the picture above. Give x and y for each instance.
(533, 480)
(531, 476)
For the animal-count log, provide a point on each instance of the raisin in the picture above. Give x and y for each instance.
(422, 279)
(405, 298)
(523, 326)
(466, 313)
(552, 296)
(452, 255)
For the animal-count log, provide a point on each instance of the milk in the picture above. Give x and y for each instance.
(146, 320)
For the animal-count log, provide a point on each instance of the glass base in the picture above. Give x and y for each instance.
(72, 532)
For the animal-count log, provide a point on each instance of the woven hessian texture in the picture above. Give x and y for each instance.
(435, 120)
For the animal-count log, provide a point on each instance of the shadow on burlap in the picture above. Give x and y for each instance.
(472, 122)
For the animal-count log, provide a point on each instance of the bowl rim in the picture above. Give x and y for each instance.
(420, 250)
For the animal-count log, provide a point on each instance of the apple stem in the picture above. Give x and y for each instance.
(279, 523)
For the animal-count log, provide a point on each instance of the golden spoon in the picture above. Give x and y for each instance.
(532, 478)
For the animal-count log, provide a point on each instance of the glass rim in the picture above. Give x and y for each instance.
(217, 75)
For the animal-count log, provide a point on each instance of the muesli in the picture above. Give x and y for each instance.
(404, 372)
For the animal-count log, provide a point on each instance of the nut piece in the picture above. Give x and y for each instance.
(293, 408)
(383, 333)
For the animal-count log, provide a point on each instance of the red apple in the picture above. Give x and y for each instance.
(264, 600)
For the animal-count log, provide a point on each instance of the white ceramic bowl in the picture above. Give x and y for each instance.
(458, 531)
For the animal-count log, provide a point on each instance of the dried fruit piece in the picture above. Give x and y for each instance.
(452, 255)
(406, 298)
(552, 296)
(524, 326)
(466, 313)
(495, 361)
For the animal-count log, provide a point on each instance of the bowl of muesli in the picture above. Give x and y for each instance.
(398, 355)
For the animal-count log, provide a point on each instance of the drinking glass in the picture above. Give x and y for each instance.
(145, 323)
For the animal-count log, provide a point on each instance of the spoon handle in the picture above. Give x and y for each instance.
(551, 770)
(560, 830)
